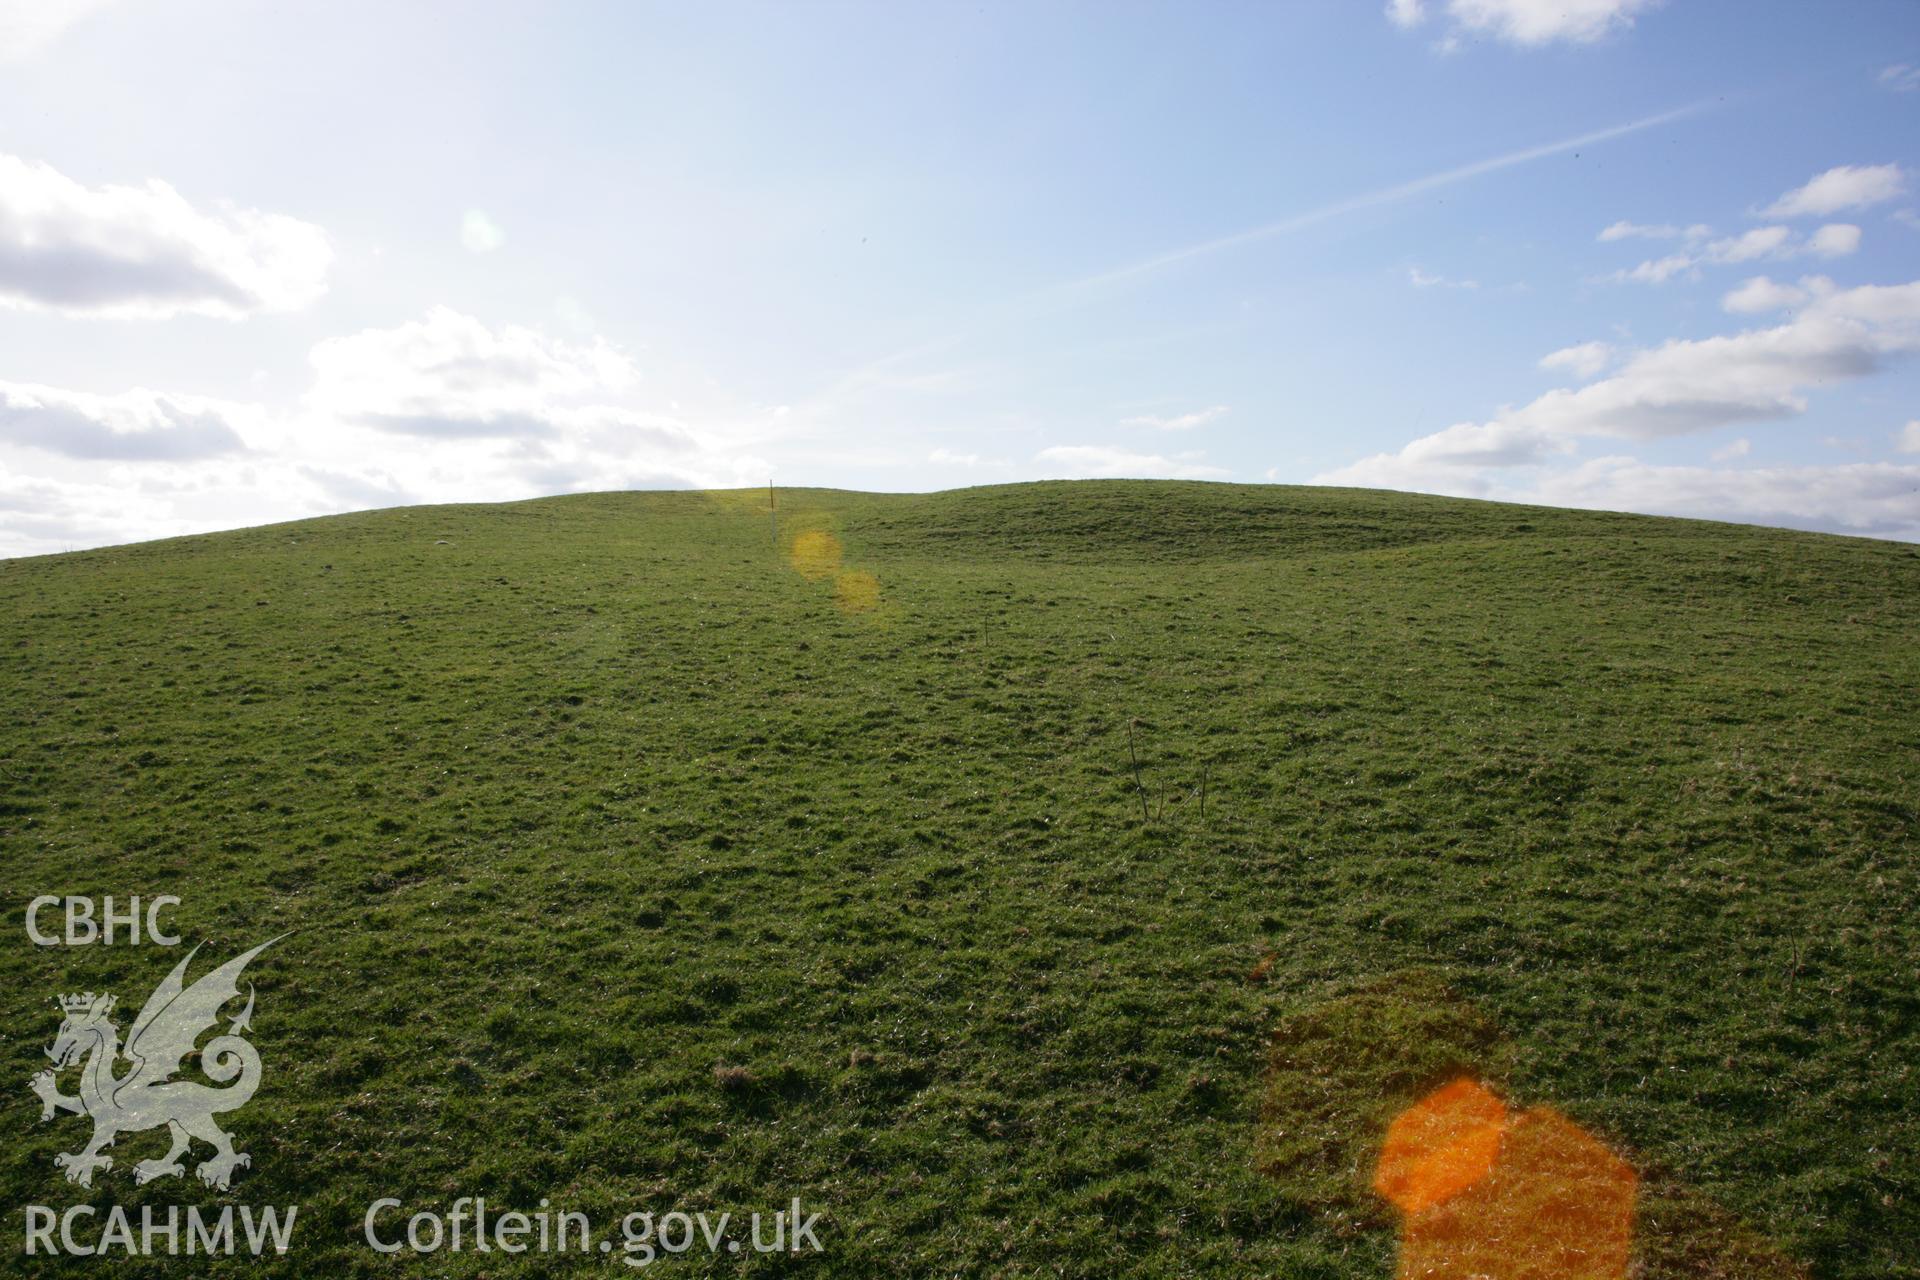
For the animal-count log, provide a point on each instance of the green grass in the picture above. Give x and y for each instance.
(574, 801)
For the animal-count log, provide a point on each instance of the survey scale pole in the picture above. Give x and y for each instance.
(773, 517)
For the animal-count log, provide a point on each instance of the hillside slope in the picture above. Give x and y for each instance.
(635, 862)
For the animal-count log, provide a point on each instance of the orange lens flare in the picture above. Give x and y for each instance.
(1486, 1195)
(1440, 1146)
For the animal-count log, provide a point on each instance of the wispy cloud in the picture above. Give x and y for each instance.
(1426, 280)
(1384, 196)
(1901, 77)
(1104, 462)
(1069, 293)
(1177, 421)
(1835, 240)
(1625, 230)
(949, 458)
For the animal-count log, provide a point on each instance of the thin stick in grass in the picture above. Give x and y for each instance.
(1140, 787)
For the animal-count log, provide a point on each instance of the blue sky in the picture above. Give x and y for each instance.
(264, 261)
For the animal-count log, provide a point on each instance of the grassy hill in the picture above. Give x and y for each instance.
(991, 868)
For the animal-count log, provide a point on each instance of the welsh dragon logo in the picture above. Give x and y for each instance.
(145, 1095)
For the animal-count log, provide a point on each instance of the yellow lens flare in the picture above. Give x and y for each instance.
(856, 591)
(815, 554)
(811, 550)
(1489, 1196)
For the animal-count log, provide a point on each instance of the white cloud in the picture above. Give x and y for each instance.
(573, 316)
(1694, 385)
(1087, 461)
(1843, 187)
(41, 515)
(1582, 361)
(99, 504)
(1406, 13)
(1761, 294)
(948, 458)
(137, 425)
(1901, 78)
(29, 26)
(1761, 242)
(450, 375)
(457, 409)
(1875, 498)
(443, 409)
(1528, 22)
(1678, 388)
(145, 251)
(1500, 443)
(1421, 280)
(480, 233)
(1907, 440)
(1835, 240)
(1737, 449)
(1179, 421)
